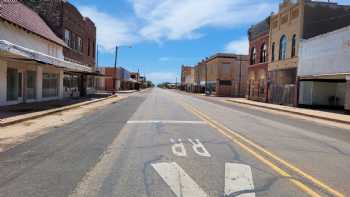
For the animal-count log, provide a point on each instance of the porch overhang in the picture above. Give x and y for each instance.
(335, 76)
(10, 50)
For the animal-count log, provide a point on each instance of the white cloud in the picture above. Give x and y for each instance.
(174, 19)
(158, 77)
(240, 46)
(111, 30)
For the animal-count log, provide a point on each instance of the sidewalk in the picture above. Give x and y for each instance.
(22, 112)
(340, 118)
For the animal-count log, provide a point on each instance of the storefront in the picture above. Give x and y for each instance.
(29, 76)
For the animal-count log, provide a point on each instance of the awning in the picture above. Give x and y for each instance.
(30, 54)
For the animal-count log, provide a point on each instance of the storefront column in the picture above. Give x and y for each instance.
(60, 84)
(3, 82)
(39, 83)
(347, 93)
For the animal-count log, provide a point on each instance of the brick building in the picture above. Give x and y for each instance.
(187, 78)
(258, 58)
(79, 34)
(295, 21)
(223, 73)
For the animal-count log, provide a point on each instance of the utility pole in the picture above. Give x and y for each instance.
(115, 69)
(206, 77)
(240, 76)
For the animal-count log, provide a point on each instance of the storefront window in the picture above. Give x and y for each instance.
(31, 80)
(50, 85)
(12, 84)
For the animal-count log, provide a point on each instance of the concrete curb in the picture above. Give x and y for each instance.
(293, 112)
(34, 115)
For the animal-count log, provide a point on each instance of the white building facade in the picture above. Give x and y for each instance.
(31, 65)
(324, 70)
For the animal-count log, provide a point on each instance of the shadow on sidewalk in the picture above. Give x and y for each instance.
(25, 108)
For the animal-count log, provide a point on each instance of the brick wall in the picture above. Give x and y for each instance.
(61, 15)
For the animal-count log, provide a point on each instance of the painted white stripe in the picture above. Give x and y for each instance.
(238, 178)
(179, 182)
(164, 122)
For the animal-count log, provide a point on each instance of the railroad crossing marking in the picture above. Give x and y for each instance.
(238, 180)
(199, 148)
(178, 148)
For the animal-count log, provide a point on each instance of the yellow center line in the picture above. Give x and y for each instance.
(242, 141)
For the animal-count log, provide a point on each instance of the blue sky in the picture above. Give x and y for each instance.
(165, 34)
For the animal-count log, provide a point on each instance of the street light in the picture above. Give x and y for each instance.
(115, 66)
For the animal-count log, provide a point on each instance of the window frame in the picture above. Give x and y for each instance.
(282, 55)
(294, 42)
(263, 53)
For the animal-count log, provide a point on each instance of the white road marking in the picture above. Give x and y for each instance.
(199, 148)
(178, 149)
(238, 178)
(164, 122)
(178, 181)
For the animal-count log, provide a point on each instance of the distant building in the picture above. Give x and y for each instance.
(32, 62)
(223, 73)
(324, 70)
(79, 34)
(297, 20)
(258, 61)
(123, 80)
(187, 78)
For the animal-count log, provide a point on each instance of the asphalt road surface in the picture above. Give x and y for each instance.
(165, 143)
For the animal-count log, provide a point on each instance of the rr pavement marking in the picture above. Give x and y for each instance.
(178, 149)
(199, 148)
(178, 180)
(238, 180)
(164, 122)
(244, 142)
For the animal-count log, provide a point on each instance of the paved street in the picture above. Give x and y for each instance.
(166, 143)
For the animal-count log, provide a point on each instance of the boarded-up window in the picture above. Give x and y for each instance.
(284, 19)
(274, 24)
(295, 13)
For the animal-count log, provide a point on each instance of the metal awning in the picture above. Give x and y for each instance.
(29, 54)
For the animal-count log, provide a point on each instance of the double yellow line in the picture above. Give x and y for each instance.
(254, 149)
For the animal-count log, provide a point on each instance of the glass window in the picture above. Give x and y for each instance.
(273, 52)
(263, 53)
(12, 84)
(67, 36)
(253, 56)
(94, 50)
(80, 44)
(294, 40)
(50, 85)
(283, 48)
(31, 84)
(89, 47)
